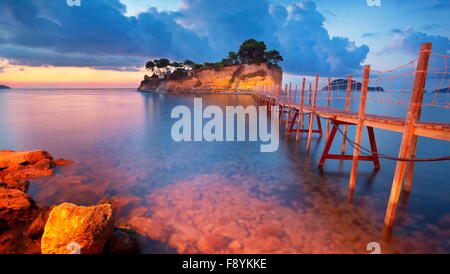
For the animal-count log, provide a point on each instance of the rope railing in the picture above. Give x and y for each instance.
(393, 86)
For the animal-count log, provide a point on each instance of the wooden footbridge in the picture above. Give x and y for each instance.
(300, 109)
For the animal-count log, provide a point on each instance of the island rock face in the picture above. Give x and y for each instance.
(228, 79)
(71, 229)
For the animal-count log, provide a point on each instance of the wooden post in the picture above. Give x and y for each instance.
(295, 94)
(327, 134)
(311, 116)
(347, 108)
(282, 103)
(412, 116)
(300, 111)
(310, 94)
(286, 86)
(360, 126)
(288, 113)
(410, 166)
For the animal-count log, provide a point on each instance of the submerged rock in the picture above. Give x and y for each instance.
(25, 164)
(124, 240)
(235, 245)
(213, 243)
(122, 203)
(63, 162)
(87, 227)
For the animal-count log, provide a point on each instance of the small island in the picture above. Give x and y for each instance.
(342, 84)
(442, 90)
(4, 87)
(251, 66)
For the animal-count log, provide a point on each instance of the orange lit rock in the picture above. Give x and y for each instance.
(25, 164)
(19, 184)
(15, 206)
(89, 227)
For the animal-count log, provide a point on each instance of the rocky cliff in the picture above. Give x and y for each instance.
(228, 79)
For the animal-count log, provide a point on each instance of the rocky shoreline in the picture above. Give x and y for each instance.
(27, 227)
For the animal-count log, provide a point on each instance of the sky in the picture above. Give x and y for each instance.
(105, 43)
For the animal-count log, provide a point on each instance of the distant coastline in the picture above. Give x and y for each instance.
(4, 87)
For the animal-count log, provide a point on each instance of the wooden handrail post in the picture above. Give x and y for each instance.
(288, 114)
(310, 94)
(300, 111)
(347, 108)
(329, 105)
(414, 109)
(360, 126)
(286, 86)
(279, 91)
(311, 116)
(295, 93)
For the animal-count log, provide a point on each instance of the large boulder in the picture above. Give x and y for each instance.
(16, 207)
(25, 164)
(68, 225)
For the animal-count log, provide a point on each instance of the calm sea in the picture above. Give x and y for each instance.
(222, 197)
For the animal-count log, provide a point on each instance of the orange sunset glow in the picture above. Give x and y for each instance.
(68, 77)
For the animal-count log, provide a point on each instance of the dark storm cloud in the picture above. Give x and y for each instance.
(99, 35)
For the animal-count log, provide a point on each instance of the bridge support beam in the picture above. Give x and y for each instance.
(373, 145)
(311, 117)
(406, 147)
(301, 118)
(362, 111)
(296, 119)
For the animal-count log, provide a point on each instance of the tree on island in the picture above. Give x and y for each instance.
(250, 52)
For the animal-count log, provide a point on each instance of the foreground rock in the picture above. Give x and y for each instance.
(16, 207)
(88, 227)
(36, 228)
(18, 184)
(25, 164)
